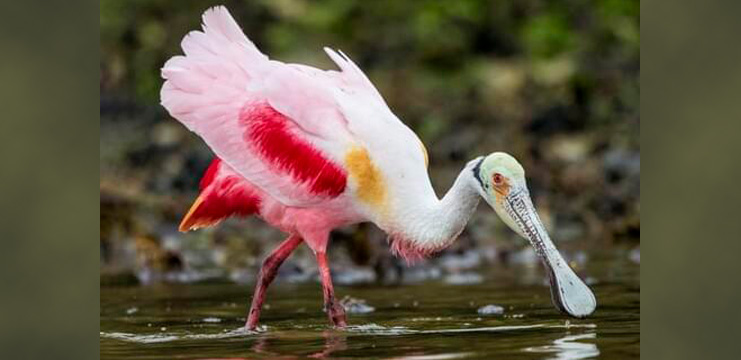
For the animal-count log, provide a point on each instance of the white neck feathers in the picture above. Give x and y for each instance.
(433, 224)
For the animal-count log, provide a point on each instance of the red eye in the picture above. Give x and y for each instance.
(498, 179)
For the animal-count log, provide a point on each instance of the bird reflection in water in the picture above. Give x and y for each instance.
(333, 341)
(568, 348)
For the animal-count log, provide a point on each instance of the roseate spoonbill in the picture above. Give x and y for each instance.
(309, 150)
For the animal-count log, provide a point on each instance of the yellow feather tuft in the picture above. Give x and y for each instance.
(369, 179)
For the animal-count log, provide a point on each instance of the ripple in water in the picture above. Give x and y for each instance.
(168, 337)
(401, 330)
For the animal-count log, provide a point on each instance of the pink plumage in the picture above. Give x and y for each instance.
(307, 151)
(275, 130)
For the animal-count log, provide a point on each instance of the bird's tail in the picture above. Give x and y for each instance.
(224, 194)
(213, 78)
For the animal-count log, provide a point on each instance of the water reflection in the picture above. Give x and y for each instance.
(333, 342)
(434, 356)
(567, 348)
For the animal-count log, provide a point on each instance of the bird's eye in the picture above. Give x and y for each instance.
(498, 179)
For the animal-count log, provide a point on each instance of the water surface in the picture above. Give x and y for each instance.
(428, 320)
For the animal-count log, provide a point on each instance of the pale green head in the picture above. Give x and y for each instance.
(500, 180)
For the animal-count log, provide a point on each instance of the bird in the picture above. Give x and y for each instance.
(309, 150)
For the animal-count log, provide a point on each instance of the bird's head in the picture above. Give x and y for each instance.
(501, 182)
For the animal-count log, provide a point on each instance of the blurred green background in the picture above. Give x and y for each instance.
(555, 83)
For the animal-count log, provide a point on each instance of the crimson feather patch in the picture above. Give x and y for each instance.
(270, 133)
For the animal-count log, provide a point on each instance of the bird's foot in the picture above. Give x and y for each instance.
(336, 313)
(252, 319)
(249, 326)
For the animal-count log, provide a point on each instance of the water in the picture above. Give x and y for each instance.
(426, 321)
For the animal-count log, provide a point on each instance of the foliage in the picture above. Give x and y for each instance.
(556, 83)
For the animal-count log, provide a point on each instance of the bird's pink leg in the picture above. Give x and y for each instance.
(267, 274)
(334, 309)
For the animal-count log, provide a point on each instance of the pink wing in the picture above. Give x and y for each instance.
(277, 125)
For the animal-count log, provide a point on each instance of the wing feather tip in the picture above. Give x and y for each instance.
(344, 56)
(189, 222)
(329, 51)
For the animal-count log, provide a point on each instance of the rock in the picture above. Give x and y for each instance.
(569, 148)
(167, 134)
(151, 276)
(577, 260)
(554, 72)
(354, 276)
(420, 273)
(635, 255)
(491, 310)
(620, 163)
(467, 260)
(526, 255)
(241, 276)
(465, 278)
(356, 306)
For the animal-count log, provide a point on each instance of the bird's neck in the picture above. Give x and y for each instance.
(433, 224)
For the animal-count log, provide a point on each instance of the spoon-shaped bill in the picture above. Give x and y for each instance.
(568, 291)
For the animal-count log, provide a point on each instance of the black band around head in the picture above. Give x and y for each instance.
(476, 173)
